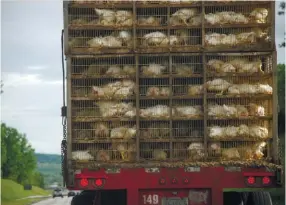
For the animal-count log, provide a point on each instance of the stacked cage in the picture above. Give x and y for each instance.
(169, 81)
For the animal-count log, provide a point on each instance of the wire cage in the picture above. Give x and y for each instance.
(185, 17)
(255, 65)
(186, 65)
(151, 17)
(160, 80)
(100, 41)
(103, 67)
(238, 15)
(154, 66)
(239, 130)
(191, 109)
(187, 88)
(97, 18)
(239, 108)
(155, 88)
(237, 150)
(237, 38)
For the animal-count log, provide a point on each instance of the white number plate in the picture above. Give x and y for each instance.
(175, 201)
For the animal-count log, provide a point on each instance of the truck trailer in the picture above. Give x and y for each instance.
(170, 102)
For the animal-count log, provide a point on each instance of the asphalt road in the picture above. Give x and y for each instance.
(56, 201)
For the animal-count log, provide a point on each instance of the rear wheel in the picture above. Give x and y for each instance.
(259, 198)
(232, 198)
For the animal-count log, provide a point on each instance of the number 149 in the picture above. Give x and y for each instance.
(151, 199)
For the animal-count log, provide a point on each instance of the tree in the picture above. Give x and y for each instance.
(18, 161)
(282, 12)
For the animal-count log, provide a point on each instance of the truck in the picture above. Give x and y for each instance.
(170, 102)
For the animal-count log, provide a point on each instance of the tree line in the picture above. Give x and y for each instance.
(18, 160)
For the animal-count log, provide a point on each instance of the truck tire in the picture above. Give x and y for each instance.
(260, 198)
(232, 198)
(86, 199)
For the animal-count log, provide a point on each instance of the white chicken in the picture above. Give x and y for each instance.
(118, 89)
(196, 151)
(124, 18)
(123, 133)
(155, 39)
(153, 69)
(225, 17)
(159, 154)
(256, 131)
(195, 90)
(81, 155)
(245, 66)
(113, 109)
(220, 66)
(195, 21)
(256, 110)
(158, 111)
(101, 130)
(182, 16)
(230, 154)
(158, 91)
(189, 111)
(126, 150)
(264, 89)
(242, 89)
(106, 16)
(259, 15)
(218, 85)
(227, 111)
(183, 69)
(103, 156)
(113, 70)
(214, 149)
(129, 70)
(150, 20)
(216, 132)
(124, 36)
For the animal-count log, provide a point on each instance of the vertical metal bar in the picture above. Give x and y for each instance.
(170, 87)
(66, 21)
(275, 108)
(273, 15)
(137, 83)
(69, 111)
(204, 79)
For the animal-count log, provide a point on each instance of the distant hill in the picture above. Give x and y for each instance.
(50, 166)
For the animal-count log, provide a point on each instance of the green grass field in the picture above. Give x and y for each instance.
(13, 193)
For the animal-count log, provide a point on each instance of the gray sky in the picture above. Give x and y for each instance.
(31, 69)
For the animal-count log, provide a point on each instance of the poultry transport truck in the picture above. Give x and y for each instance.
(170, 102)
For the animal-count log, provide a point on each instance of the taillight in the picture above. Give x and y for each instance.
(98, 182)
(251, 180)
(186, 181)
(266, 180)
(174, 181)
(84, 182)
(162, 181)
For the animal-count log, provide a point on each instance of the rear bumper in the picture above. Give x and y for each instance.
(137, 181)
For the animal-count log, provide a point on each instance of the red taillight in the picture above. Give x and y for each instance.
(266, 180)
(186, 181)
(162, 181)
(174, 181)
(84, 182)
(98, 182)
(251, 180)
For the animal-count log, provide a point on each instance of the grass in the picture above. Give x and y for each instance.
(13, 193)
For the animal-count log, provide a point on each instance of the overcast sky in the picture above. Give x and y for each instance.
(31, 69)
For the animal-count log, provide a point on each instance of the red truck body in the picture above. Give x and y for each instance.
(172, 182)
(202, 187)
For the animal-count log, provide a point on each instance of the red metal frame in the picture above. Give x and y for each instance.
(133, 180)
